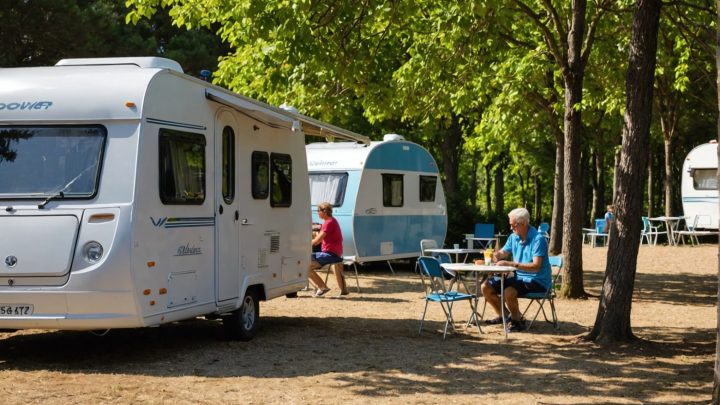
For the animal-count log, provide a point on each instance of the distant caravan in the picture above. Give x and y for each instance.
(387, 196)
(133, 195)
(700, 186)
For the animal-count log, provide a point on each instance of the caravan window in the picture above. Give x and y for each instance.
(328, 187)
(260, 175)
(392, 190)
(228, 165)
(43, 161)
(427, 188)
(704, 179)
(182, 167)
(281, 180)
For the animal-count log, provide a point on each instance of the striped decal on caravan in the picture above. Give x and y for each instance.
(189, 222)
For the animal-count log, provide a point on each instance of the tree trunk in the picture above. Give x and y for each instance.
(716, 374)
(451, 147)
(556, 235)
(650, 188)
(572, 285)
(538, 198)
(669, 182)
(612, 323)
(474, 180)
(499, 189)
(488, 189)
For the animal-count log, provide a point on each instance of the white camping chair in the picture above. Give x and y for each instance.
(692, 232)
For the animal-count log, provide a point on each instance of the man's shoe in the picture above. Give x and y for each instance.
(497, 321)
(516, 326)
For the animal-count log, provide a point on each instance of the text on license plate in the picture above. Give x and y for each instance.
(16, 309)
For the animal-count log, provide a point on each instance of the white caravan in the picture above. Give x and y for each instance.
(700, 186)
(387, 196)
(133, 195)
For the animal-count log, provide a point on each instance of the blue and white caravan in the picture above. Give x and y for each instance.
(133, 195)
(387, 196)
(700, 185)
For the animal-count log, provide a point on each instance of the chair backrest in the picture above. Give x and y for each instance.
(556, 261)
(646, 224)
(544, 227)
(430, 266)
(427, 244)
(600, 226)
(484, 230)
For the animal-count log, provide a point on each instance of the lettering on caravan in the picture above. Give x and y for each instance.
(26, 105)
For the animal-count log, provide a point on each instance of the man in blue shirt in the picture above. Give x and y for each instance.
(526, 250)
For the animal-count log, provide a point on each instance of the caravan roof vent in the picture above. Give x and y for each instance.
(289, 108)
(393, 137)
(143, 62)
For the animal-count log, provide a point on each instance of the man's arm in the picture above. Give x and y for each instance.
(318, 238)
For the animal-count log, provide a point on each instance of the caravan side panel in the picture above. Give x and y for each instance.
(700, 187)
(385, 232)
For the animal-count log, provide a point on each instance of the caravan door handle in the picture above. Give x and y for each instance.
(220, 210)
(237, 215)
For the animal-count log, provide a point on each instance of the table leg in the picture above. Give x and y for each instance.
(502, 303)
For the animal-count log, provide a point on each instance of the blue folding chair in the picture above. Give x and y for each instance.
(439, 293)
(484, 235)
(599, 232)
(544, 229)
(548, 296)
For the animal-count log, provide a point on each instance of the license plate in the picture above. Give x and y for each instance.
(16, 309)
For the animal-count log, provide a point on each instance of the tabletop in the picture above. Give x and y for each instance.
(480, 268)
(454, 251)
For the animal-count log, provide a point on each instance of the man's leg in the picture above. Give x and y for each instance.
(511, 299)
(491, 297)
(314, 277)
(340, 277)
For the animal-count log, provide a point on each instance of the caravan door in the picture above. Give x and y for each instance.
(226, 207)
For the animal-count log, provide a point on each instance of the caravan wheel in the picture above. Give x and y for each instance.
(242, 323)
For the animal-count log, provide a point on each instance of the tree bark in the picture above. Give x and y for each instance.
(612, 323)
(716, 373)
(488, 189)
(556, 235)
(499, 184)
(572, 286)
(450, 149)
(538, 198)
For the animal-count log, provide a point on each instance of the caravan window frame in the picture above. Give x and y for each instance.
(228, 165)
(387, 186)
(282, 198)
(259, 190)
(102, 132)
(339, 197)
(166, 136)
(423, 180)
(712, 177)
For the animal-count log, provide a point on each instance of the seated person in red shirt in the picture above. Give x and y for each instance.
(330, 240)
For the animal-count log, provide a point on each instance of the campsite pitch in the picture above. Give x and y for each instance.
(365, 348)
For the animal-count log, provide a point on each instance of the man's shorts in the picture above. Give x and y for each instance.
(522, 287)
(325, 258)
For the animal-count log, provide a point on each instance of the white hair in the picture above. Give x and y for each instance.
(520, 215)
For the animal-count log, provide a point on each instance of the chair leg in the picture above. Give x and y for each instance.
(357, 278)
(554, 313)
(422, 319)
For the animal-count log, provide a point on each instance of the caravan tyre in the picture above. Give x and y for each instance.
(242, 323)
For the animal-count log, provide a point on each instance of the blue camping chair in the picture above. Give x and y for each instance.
(484, 236)
(599, 232)
(442, 295)
(541, 298)
(544, 229)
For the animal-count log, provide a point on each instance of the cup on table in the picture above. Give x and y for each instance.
(488, 256)
(456, 246)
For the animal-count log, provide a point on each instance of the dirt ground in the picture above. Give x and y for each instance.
(365, 348)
